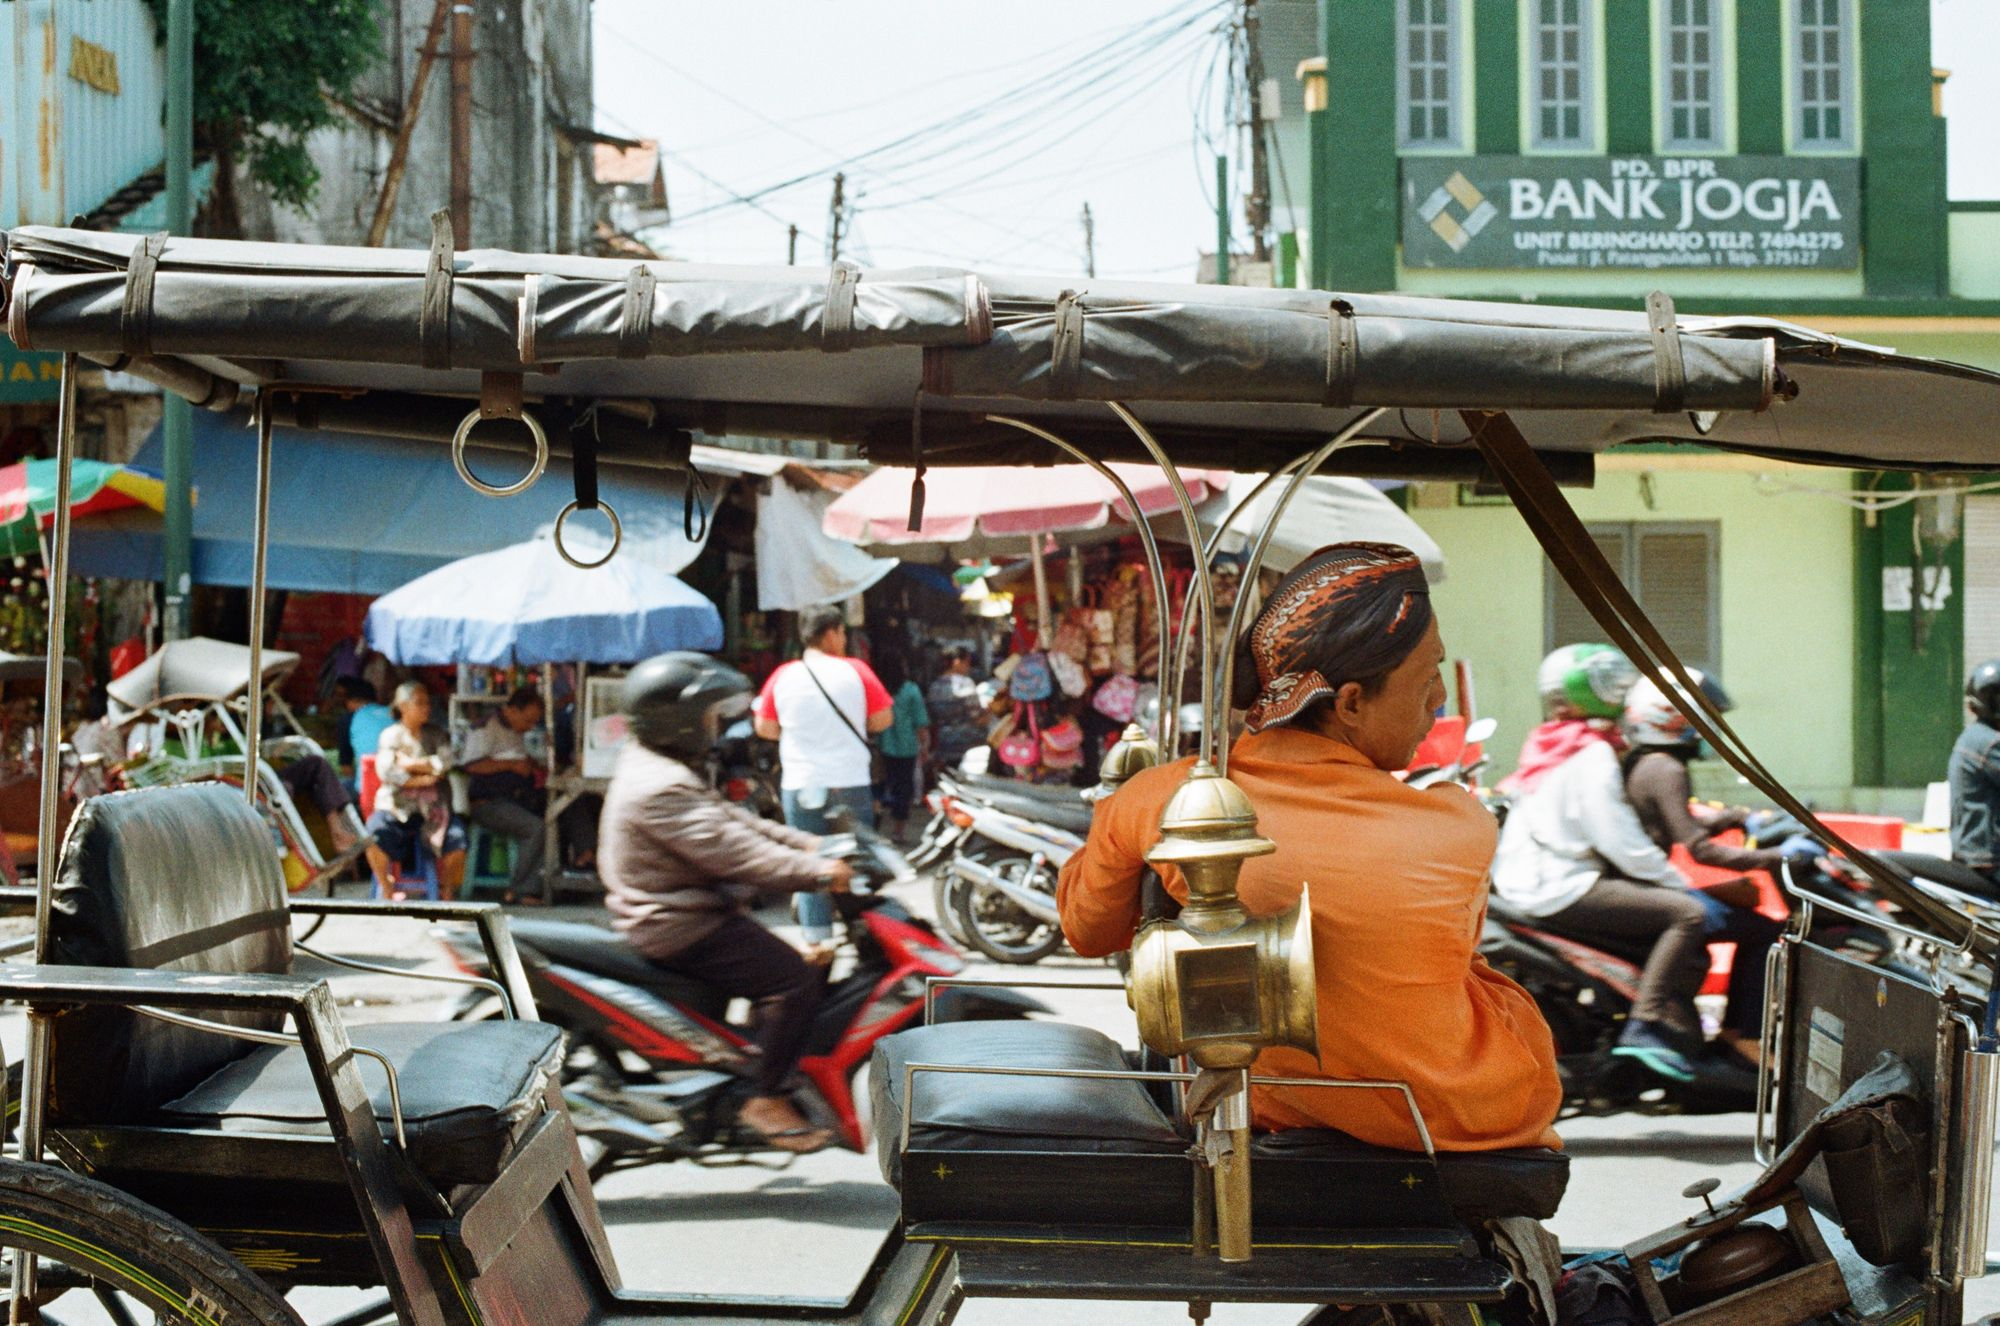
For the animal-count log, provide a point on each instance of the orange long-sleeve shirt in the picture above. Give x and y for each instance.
(1398, 899)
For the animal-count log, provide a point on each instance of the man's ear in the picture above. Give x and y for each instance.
(1347, 702)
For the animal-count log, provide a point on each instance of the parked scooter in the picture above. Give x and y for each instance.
(744, 768)
(656, 1072)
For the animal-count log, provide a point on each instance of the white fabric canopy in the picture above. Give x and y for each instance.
(1327, 509)
(798, 565)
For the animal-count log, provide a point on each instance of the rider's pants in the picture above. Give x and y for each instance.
(744, 960)
(1664, 926)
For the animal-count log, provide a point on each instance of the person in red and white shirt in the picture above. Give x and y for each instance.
(821, 709)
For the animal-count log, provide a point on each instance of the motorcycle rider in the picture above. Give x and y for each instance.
(1583, 693)
(1340, 678)
(1659, 743)
(1975, 776)
(682, 866)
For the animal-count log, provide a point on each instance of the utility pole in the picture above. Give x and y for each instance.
(461, 124)
(1257, 204)
(834, 234)
(1221, 220)
(791, 246)
(1089, 243)
(399, 156)
(176, 424)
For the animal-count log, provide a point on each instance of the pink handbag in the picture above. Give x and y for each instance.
(1062, 745)
(1022, 749)
(1118, 698)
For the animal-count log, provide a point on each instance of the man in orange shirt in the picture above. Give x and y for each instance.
(1340, 676)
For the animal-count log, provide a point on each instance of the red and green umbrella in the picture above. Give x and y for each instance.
(28, 497)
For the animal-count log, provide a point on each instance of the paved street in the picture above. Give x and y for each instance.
(810, 1227)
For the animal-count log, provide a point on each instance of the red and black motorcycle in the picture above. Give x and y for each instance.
(657, 1072)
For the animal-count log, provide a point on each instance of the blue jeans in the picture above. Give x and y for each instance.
(815, 910)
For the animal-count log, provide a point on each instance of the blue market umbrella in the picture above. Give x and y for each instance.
(525, 605)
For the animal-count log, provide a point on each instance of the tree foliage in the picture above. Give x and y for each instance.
(264, 71)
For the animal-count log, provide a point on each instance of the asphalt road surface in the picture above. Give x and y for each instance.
(810, 1227)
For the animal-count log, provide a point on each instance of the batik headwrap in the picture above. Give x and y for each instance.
(1348, 612)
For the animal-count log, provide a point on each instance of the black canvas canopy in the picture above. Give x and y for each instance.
(913, 362)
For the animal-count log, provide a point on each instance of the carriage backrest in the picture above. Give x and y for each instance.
(184, 878)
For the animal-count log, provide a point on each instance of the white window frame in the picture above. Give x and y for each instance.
(1718, 68)
(1589, 63)
(1630, 532)
(1456, 110)
(1847, 67)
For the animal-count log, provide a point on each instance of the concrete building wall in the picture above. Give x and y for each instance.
(1786, 600)
(531, 81)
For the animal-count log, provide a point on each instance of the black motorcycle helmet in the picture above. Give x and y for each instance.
(678, 703)
(1982, 692)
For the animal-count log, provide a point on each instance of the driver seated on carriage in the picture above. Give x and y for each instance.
(1340, 677)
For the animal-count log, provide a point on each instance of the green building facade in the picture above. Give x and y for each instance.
(1778, 157)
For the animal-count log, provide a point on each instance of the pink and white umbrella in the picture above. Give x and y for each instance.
(963, 504)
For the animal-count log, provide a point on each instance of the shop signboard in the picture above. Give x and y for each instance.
(28, 375)
(1556, 213)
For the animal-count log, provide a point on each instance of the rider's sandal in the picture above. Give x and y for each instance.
(788, 1139)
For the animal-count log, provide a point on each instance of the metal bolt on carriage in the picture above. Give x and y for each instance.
(200, 1131)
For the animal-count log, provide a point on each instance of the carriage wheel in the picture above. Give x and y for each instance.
(92, 1241)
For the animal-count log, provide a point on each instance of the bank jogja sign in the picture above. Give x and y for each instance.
(1741, 213)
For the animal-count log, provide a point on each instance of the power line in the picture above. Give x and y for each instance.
(1054, 85)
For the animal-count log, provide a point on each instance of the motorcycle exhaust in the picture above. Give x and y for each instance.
(1036, 904)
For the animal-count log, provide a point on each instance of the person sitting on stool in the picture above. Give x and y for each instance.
(504, 798)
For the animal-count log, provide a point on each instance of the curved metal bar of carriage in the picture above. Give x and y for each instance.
(180, 1148)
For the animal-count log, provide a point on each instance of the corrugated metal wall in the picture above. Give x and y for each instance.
(67, 144)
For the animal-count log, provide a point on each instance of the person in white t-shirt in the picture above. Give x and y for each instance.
(821, 709)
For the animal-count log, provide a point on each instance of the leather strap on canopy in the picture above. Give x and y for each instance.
(837, 327)
(1669, 364)
(1066, 347)
(434, 314)
(1342, 352)
(637, 319)
(135, 323)
(1582, 565)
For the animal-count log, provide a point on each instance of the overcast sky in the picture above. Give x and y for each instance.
(752, 93)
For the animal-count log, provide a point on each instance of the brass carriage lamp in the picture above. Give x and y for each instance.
(1133, 752)
(1219, 985)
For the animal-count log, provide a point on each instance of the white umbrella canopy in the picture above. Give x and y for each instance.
(1327, 509)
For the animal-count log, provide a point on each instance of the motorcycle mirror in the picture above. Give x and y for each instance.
(1481, 729)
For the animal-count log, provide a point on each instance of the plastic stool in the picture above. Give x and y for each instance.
(480, 870)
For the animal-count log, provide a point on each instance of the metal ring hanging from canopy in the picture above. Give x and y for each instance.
(617, 536)
(464, 432)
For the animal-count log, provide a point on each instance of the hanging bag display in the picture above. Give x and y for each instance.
(1062, 745)
(1117, 699)
(1100, 630)
(1032, 682)
(1022, 749)
(1069, 674)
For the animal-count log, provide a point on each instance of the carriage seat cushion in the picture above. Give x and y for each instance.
(181, 878)
(1519, 1181)
(470, 1091)
(995, 1113)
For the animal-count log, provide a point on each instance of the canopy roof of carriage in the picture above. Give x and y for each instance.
(920, 364)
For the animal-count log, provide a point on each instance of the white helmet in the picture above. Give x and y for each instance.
(1652, 719)
(1590, 680)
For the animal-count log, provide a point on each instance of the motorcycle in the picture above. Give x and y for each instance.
(655, 1071)
(1007, 840)
(744, 768)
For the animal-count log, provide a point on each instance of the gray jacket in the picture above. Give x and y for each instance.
(678, 859)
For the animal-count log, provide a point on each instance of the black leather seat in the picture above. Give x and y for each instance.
(1945, 871)
(1058, 806)
(470, 1091)
(1060, 1150)
(603, 952)
(1519, 1181)
(187, 878)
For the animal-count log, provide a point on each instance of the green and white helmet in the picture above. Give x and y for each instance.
(1587, 681)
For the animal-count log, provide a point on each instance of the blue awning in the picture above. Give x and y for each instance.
(361, 515)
